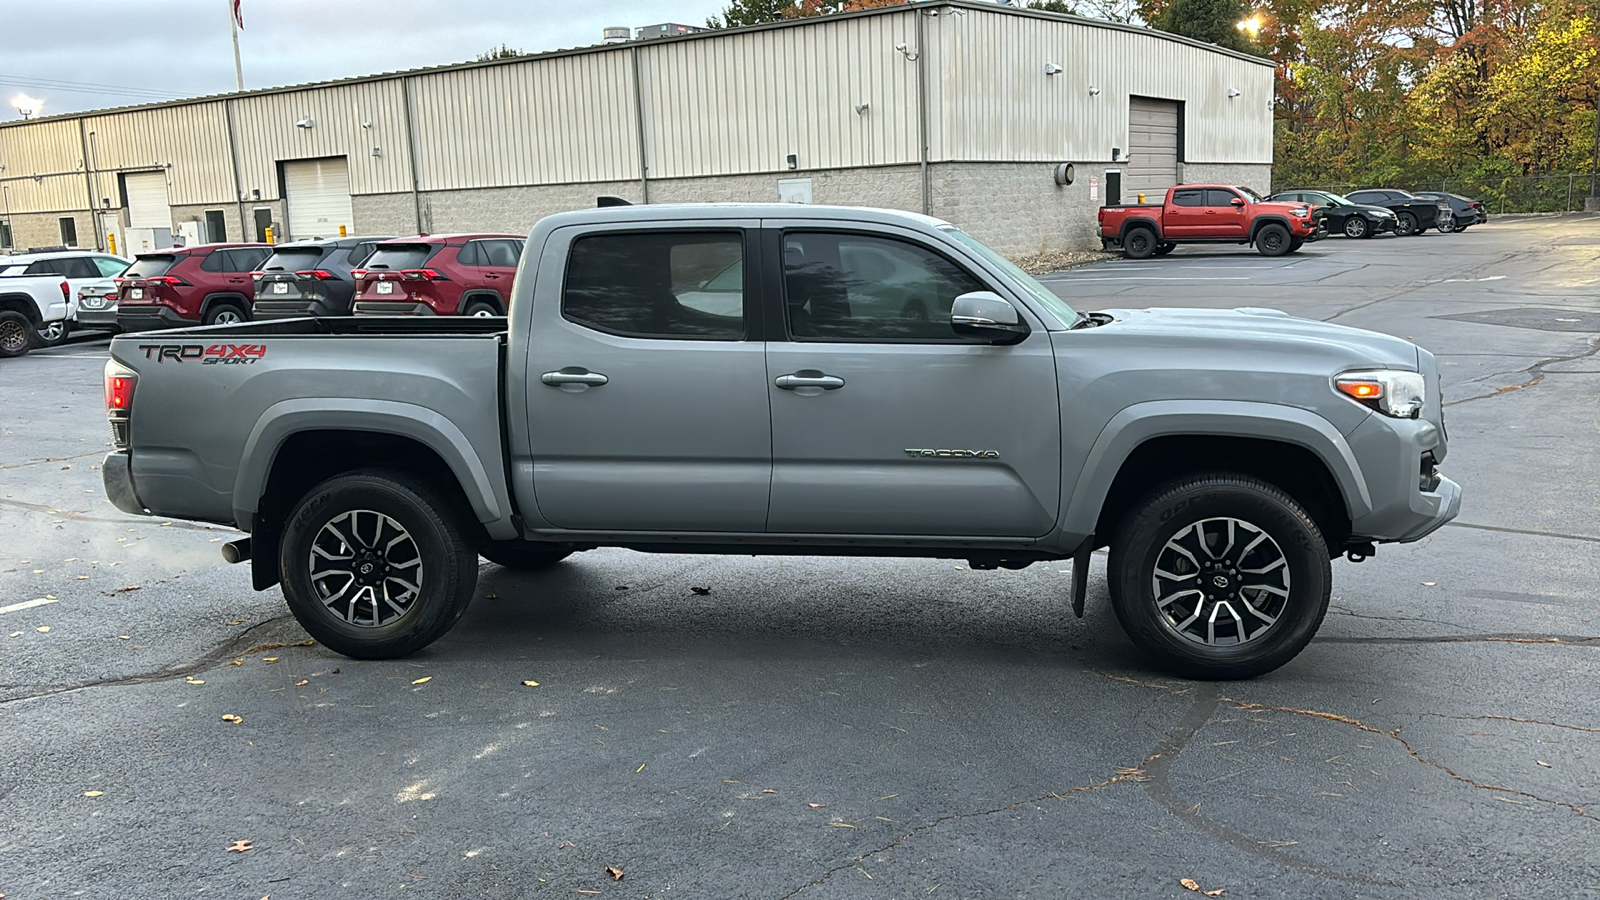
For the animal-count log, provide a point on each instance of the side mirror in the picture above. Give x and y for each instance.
(987, 314)
(1237, 201)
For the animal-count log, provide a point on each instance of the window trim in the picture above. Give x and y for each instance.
(751, 318)
(782, 292)
(61, 226)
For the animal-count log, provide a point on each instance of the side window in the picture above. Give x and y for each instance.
(80, 267)
(656, 284)
(43, 267)
(1219, 197)
(109, 266)
(851, 287)
(214, 261)
(471, 254)
(1189, 198)
(503, 253)
(246, 260)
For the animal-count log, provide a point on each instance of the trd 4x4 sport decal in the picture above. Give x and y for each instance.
(213, 354)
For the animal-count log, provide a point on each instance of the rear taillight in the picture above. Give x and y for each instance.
(319, 274)
(257, 275)
(422, 275)
(358, 273)
(167, 280)
(66, 292)
(120, 382)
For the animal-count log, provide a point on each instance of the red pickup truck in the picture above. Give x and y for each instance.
(1207, 214)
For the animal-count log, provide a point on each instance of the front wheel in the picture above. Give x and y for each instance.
(1408, 224)
(1295, 244)
(1165, 247)
(1219, 577)
(375, 565)
(1355, 227)
(1272, 240)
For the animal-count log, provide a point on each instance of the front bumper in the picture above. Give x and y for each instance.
(117, 473)
(1410, 500)
(151, 318)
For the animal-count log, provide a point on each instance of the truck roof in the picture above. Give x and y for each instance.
(656, 211)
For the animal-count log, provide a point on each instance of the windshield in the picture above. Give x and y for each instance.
(149, 266)
(292, 259)
(1065, 315)
(1255, 197)
(1341, 200)
(400, 256)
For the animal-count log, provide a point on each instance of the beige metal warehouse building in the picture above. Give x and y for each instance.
(960, 109)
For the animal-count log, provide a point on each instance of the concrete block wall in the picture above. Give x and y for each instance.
(884, 187)
(1017, 208)
(44, 229)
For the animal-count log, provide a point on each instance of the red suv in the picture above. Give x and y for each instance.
(205, 284)
(439, 275)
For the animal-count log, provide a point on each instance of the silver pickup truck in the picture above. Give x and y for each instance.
(776, 379)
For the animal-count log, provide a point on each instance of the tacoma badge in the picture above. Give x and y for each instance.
(960, 454)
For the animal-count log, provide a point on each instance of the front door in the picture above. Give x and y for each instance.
(1225, 215)
(887, 422)
(647, 408)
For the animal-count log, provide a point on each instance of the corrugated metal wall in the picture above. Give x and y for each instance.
(728, 104)
(350, 120)
(743, 103)
(992, 100)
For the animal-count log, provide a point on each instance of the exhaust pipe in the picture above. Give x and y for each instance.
(236, 551)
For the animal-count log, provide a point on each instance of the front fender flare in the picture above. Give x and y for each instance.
(281, 421)
(1164, 418)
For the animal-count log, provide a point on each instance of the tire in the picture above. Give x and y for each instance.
(1272, 240)
(1139, 243)
(1286, 549)
(1446, 225)
(17, 334)
(1165, 247)
(480, 308)
(1460, 227)
(521, 555)
(1295, 244)
(1356, 227)
(54, 334)
(226, 314)
(417, 531)
(1408, 224)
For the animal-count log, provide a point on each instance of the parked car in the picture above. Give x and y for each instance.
(204, 284)
(97, 306)
(439, 275)
(38, 295)
(1342, 215)
(1209, 214)
(310, 278)
(1224, 456)
(1468, 212)
(1414, 214)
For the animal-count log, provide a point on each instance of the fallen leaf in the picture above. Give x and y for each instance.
(1430, 583)
(614, 872)
(768, 791)
(38, 571)
(239, 847)
(1193, 886)
(192, 680)
(530, 684)
(640, 769)
(269, 659)
(237, 661)
(1542, 763)
(124, 637)
(230, 717)
(235, 621)
(16, 634)
(701, 590)
(43, 629)
(816, 806)
(840, 825)
(94, 793)
(83, 578)
(302, 682)
(423, 680)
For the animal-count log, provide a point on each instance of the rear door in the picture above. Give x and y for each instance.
(1185, 216)
(884, 420)
(646, 413)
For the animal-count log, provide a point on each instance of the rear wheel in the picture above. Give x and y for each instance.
(1272, 240)
(481, 309)
(522, 555)
(375, 566)
(53, 334)
(1355, 227)
(17, 334)
(1408, 224)
(1139, 243)
(1219, 576)
(225, 314)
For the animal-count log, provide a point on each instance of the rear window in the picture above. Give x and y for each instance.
(292, 259)
(401, 256)
(150, 266)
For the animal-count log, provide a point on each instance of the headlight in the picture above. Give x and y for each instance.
(1302, 212)
(1398, 394)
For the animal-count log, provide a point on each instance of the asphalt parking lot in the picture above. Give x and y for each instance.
(800, 727)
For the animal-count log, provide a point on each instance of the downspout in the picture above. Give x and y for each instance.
(638, 114)
(411, 150)
(88, 185)
(922, 112)
(238, 182)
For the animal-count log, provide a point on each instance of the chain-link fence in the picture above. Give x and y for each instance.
(1525, 194)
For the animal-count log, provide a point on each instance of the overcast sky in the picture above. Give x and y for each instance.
(147, 50)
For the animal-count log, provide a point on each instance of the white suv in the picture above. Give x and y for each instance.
(38, 294)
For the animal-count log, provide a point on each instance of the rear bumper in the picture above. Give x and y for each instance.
(293, 309)
(151, 318)
(117, 473)
(98, 319)
(391, 308)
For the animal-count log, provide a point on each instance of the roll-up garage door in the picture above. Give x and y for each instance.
(319, 197)
(147, 200)
(1153, 146)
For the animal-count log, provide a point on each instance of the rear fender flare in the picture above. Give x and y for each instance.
(1140, 222)
(486, 494)
(25, 304)
(482, 294)
(1163, 418)
(226, 298)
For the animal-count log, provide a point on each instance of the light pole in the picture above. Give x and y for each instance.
(26, 105)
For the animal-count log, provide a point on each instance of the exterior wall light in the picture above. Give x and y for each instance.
(305, 123)
(861, 109)
(1094, 91)
(1232, 93)
(1051, 68)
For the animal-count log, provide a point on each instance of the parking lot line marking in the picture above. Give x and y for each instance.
(1162, 278)
(27, 604)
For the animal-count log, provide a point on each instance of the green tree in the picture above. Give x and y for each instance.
(500, 52)
(1212, 21)
(739, 13)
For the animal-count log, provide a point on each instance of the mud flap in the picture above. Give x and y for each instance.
(1080, 576)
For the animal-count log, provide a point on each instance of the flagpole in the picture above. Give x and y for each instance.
(233, 26)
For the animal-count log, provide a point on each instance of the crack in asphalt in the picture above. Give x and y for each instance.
(1519, 721)
(1342, 611)
(1528, 531)
(206, 661)
(1574, 639)
(1135, 773)
(51, 459)
(77, 516)
(1535, 374)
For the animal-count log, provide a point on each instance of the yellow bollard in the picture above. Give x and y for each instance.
(269, 234)
(1141, 198)
(342, 232)
(112, 239)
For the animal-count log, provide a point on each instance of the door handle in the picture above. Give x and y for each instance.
(807, 378)
(573, 376)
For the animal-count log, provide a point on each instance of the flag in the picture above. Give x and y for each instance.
(238, 15)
